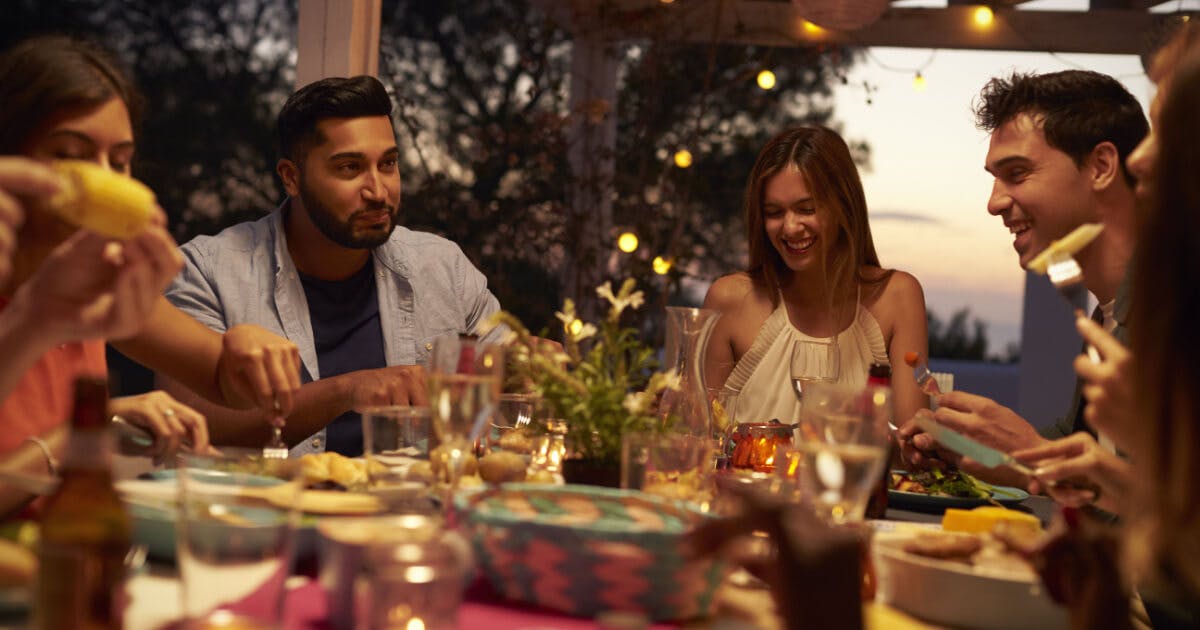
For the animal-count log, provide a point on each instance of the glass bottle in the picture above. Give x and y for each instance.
(880, 374)
(85, 530)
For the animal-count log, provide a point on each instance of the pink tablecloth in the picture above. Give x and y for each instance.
(482, 608)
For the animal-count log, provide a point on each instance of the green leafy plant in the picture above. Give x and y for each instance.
(603, 380)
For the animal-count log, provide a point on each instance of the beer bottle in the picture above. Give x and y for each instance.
(85, 530)
(880, 374)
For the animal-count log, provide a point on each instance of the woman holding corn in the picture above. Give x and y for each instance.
(71, 289)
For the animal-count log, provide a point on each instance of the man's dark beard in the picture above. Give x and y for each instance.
(341, 232)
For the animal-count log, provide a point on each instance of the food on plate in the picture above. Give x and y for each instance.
(421, 471)
(944, 546)
(515, 440)
(349, 473)
(987, 518)
(18, 565)
(942, 483)
(501, 467)
(101, 200)
(983, 552)
(1076, 240)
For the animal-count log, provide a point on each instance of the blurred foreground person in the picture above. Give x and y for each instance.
(70, 288)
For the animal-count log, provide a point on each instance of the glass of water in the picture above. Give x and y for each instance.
(841, 448)
(236, 532)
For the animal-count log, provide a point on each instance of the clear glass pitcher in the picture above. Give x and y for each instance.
(688, 331)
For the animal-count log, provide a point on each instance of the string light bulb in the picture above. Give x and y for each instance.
(984, 16)
(811, 29)
(766, 79)
(575, 327)
(661, 265)
(919, 82)
(627, 242)
(683, 158)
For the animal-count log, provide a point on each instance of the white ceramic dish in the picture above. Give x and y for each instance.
(959, 595)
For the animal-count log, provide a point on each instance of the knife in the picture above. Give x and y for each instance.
(964, 445)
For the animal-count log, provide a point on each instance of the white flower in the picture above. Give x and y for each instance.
(637, 402)
(619, 304)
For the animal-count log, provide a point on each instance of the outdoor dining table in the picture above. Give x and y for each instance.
(155, 598)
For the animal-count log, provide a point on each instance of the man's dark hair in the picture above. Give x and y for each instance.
(336, 97)
(1079, 109)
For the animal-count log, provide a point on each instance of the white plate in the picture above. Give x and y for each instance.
(959, 595)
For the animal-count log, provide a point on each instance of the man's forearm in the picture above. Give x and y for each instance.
(316, 405)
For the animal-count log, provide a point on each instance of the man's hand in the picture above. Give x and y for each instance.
(980, 419)
(259, 369)
(395, 385)
(175, 426)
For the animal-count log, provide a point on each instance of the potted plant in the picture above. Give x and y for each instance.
(603, 382)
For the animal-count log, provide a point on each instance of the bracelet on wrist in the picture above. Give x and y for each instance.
(51, 462)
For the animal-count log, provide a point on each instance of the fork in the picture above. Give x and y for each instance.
(276, 448)
(1066, 276)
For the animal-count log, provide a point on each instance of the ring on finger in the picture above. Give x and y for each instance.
(168, 412)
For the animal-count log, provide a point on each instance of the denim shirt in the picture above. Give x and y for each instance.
(426, 286)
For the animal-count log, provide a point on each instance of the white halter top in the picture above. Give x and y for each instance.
(761, 379)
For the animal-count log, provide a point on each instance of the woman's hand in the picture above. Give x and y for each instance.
(19, 178)
(175, 426)
(1076, 470)
(91, 286)
(1112, 404)
(259, 369)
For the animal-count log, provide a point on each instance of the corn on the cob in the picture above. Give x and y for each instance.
(101, 200)
(17, 564)
(1076, 240)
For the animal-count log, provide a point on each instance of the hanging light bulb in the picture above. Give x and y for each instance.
(919, 82)
(766, 79)
(661, 265)
(575, 327)
(627, 242)
(811, 29)
(983, 16)
(683, 158)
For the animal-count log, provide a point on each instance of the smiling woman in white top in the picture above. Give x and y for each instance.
(813, 273)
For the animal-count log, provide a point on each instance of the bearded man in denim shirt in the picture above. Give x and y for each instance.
(331, 270)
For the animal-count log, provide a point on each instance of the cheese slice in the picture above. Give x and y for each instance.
(1076, 240)
(985, 518)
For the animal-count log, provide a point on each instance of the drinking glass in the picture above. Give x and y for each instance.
(395, 441)
(464, 386)
(724, 423)
(670, 465)
(236, 533)
(841, 448)
(813, 361)
(509, 430)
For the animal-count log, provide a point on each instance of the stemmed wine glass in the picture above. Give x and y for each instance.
(464, 386)
(813, 361)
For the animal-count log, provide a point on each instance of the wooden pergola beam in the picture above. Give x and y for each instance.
(772, 23)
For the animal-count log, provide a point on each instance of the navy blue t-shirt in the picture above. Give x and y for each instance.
(345, 324)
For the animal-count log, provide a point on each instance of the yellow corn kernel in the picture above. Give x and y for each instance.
(101, 200)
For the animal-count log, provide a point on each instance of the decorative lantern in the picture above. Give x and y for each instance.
(841, 15)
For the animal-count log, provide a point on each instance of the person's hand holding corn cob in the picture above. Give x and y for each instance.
(20, 179)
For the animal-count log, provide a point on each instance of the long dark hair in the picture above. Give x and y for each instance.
(1164, 335)
(44, 75)
(824, 160)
